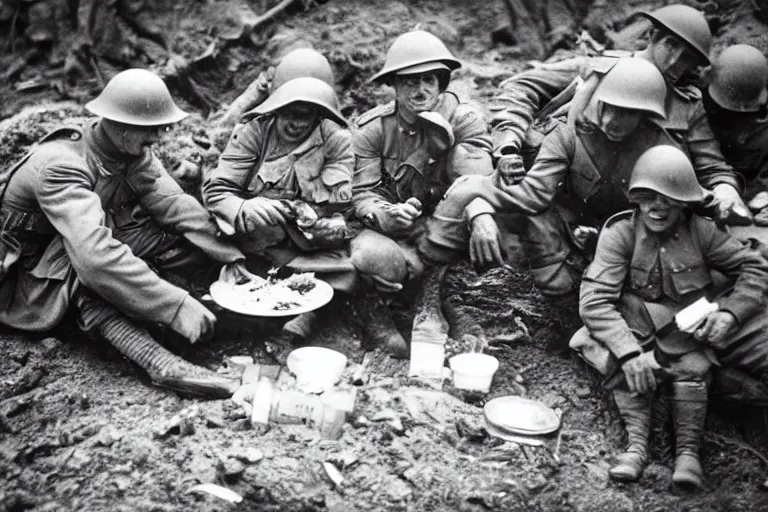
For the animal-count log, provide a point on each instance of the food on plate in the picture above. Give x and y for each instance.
(273, 293)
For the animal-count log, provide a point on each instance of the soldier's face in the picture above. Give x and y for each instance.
(618, 123)
(295, 121)
(417, 93)
(658, 212)
(674, 59)
(136, 139)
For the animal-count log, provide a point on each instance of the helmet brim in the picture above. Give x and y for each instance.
(423, 67)
(703, 57)
(99, 107)
(725, 103)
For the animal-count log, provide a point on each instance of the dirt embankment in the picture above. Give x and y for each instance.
(81, 429)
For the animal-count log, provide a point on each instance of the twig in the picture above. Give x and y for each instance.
(267, 16)
(735, 442)
(557, 444)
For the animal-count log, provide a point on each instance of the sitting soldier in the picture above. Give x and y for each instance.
(283, 183)
(407, 154)
(650, 263)
(84, 209)
(679, 44)
(578, 180)
(737, 105)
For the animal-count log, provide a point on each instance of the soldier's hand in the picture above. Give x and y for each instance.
(381, 284)
(731, 209)
(193, 320)
(402, 215)
(237, 273)
(511, 168)
(485, 243)
(716, 329)
(260, 212)
(639, 372)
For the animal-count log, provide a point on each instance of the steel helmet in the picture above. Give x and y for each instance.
(688, 24)
(137, 97)
(740, 79)
(305, 89)
(302, 62)
(636, 84)
(416, 52)
(668, 171)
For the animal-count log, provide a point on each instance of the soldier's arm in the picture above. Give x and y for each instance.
(738, 260)
(708, 161)
(522, 96)
(535, 193)
(178, 212)
(601, 290)
(337, 172)
(224, 190)
(370, 196)
(103, 264)
(472, 152)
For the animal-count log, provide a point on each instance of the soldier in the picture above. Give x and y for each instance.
(736, 102)
(679, 44)
(84, 209)
(283, 183)
(578, 180)
(407, 153)
(650, 263)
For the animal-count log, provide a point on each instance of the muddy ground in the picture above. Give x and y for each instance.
(82, 429)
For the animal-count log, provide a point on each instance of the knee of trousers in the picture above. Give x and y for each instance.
(691, 367)
(555, 279)
(376, 254)
(593, 352)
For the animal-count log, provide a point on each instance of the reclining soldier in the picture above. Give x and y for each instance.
(407, 153)
(83, 211)
(679, 44)
(283, 184)
(650, 263)
(578, 180)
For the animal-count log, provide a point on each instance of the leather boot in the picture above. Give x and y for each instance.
(635, 410)
(379, 330)
(165, 369)
(301, 326)
(689, 412)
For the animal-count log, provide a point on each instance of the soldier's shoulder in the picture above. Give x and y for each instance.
(73, 133)
(620, 220)
(387, 109)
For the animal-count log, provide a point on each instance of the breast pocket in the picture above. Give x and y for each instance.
(690, 276)
(582, 183)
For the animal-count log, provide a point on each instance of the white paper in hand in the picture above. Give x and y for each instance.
(691, 317)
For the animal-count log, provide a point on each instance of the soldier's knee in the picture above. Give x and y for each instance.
(693, 366)
(375, 254)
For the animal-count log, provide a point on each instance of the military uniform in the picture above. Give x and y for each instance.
(667, 274)
(392, 165)
(84, 219)
(580, 177)
(743, 139)
(521, 113)
(317, 171)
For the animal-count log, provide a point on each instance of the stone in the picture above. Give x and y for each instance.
(250, 455)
